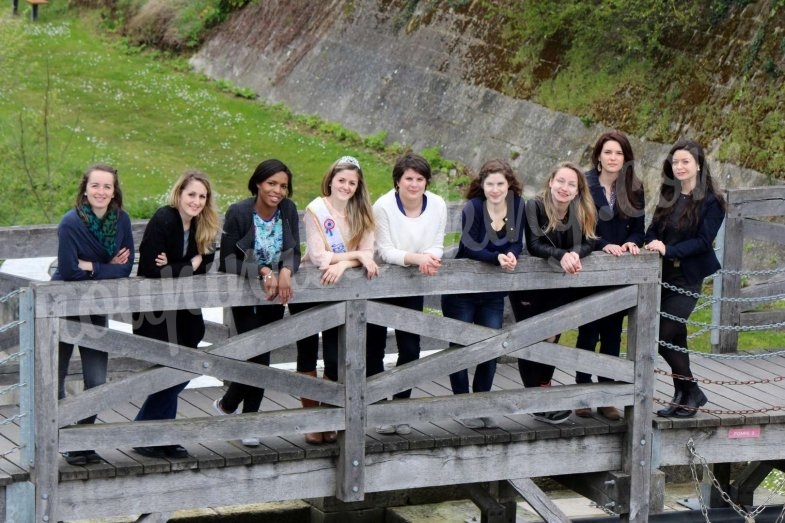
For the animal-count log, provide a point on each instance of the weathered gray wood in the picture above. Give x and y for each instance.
(223, 290)
(731, 282)
(20, 502)
(755, 319)
(316, 478)
(27, 375)
(350, 476)
(156, 517)
(756, 194)
(46, 440)
(538, 500)
(761, 290)
(531, 331)
(766, 231)
(139, 385)
(715, 445)
(770, 207)
(276, 423)
(568, 358)
(642, 335)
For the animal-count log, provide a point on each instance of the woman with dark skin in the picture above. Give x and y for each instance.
(618, 198)
(178, 242)
(261, 237)
(688, 216)
(94, 243)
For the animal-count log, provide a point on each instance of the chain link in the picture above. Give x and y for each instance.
(10, 295)
(747, 516)
(10, 357)
(11, 388)
(9, 326)
(762, 272)
(12, 419)
(712, 299)
(712, 356)
(711, 326)
(10, 451)
(708, 381)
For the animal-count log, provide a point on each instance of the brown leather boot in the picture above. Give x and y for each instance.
(314, 438)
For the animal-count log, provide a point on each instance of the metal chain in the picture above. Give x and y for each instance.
(10, 295)
(11, 388)
(711, 326)
(713, 356)
(9, 451)
(762, 272)
(11, 325)
(12, 419)
(708, 381)
(747, 516)
(605, 508)
(10, 357)
(666, 403)
(712, 299)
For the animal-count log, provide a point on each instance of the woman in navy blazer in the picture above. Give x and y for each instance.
(688, 215)
(618, 198)
(492, 228)
(94, 243)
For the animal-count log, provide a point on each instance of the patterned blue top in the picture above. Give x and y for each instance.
(268, 241)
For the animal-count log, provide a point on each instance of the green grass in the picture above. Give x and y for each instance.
(146, 114)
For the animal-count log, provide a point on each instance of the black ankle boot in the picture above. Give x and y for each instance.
(692, 400)
(674, 406)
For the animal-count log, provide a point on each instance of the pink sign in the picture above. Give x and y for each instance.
(744, 432)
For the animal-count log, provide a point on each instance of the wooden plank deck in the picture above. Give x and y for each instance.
(729, 406)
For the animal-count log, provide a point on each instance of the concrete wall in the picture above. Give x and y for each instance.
(349, 62)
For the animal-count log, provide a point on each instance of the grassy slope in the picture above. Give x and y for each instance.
(152, 119)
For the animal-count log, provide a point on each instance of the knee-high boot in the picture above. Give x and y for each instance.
(314, 438)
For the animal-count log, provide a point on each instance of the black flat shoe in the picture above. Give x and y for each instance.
(675, 405)
(75, 457)
(175, 451)
(92, 456)
(151, 452)
(693, 400)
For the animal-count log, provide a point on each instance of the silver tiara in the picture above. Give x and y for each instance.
(351, 160)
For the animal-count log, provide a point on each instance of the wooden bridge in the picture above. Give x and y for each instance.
(613, 463)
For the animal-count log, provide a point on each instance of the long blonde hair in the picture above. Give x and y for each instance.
(359, 212)
(582, 205)
(207, 221)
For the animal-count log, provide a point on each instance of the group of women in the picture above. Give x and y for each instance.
(575, 214)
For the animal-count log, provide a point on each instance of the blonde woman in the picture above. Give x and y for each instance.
(178, 242)
(559, 228)
(339, 234)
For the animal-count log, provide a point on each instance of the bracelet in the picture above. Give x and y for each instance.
(267, 276)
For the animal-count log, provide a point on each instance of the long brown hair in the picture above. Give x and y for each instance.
(81, 195)
(628, 187)
(671, 188)
(207, 221)
(359, 212)
(582, 205)
(493, 167)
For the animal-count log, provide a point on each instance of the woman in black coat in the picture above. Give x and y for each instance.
(685, 223)
(178, 242)
(261, 239)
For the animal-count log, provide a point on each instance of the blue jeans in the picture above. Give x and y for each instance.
(486, 309)
(94, 363)
(407, 342)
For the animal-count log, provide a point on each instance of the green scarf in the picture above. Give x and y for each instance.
(104, 230)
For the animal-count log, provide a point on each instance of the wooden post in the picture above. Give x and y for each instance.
(642, 334)
(350, 473)
(15, 7)
(45, 473)
(733, 248)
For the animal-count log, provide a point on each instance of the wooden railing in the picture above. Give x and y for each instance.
(353, 473)
(743, 222)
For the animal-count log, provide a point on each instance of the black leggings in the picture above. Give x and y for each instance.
(674, 332)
